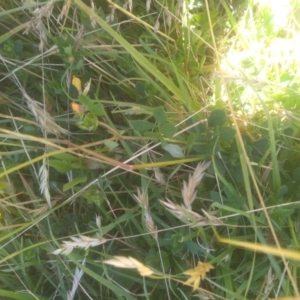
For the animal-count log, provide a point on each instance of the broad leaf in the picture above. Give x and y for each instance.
(174, 150)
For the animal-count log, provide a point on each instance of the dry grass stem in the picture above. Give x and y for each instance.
(188, 190)
(129, 263)
(80, 242)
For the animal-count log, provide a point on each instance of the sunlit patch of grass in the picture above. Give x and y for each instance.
(260, 84)
(264, 57)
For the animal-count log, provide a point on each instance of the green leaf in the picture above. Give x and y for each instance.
(141, 126)
(86, 101)
(260, 147)
(74, 182)
(165, 259)
(16, 295)
(89, 122)
(174, 150)
(177, 240)
(282, 191)
(227, 133)
(65, 156)
(155, 136)
(97, 109)
(153, 259)
(160, 115)
(60, 166)
(237, 201)
(216, 197)
(111, 144)
(217, 118)
(279, 214)
(140, 88)
(192, 247)
(78, 65)
(162, 141)
(167, 129)
(190, 141)
(92, 195)
(77, 165)
(296, 174)
(68, 50)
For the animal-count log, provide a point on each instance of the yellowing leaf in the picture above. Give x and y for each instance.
(288, 254)
(76, 82)
(197, 274)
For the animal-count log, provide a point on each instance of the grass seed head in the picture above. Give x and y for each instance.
(44, 181)
(189, 189)
(80, 242)
(150, 224)
(148, 4)
(142, 200)
(190, 217)
(129, 263)
(43, 117)
(159, 176)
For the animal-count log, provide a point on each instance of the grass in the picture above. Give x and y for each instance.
(149, 150)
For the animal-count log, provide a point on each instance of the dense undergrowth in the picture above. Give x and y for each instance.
(149, 150)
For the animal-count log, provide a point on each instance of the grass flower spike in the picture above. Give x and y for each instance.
(188, 190)
(80, 242)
